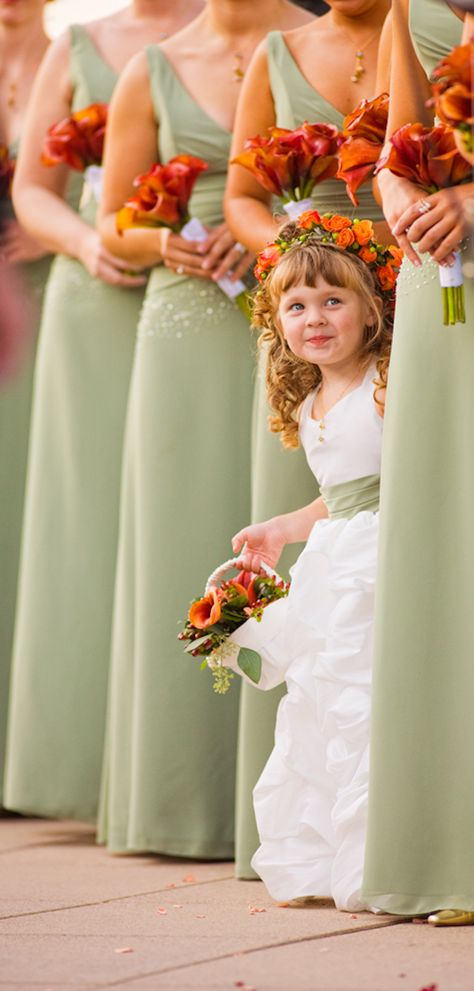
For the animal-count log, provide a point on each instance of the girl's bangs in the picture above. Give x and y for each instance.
(306, 264)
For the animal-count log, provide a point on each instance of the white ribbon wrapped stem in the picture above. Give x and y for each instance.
(295, 208)
(194, 230)
(93, 175)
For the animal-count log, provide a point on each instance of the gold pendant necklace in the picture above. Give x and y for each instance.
(321, 419)
(359, 69)
(238, 69)
(11, 96)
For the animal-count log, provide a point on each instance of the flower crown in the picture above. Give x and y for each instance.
(355, 236)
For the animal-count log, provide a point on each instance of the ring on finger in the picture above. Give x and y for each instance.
(180, 269)
(424, 206)
(240, 248)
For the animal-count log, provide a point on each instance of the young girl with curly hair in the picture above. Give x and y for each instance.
(325, 308)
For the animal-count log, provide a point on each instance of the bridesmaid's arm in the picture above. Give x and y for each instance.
(131, 149)
(247, 204)
(38, 190)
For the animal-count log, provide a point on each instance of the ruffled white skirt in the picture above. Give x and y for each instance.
(311, 799)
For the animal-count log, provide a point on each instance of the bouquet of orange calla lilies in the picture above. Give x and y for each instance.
(364, 137)
(163, 194)
(290, 164)
(428, 156)
(223, 609)
(162, 200)
(78, 140)
(453, 97)
(7, 168)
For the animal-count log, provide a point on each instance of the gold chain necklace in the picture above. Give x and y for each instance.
(320, 419)
(359, 68)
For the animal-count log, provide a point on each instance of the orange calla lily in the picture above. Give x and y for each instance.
(163, 195)
(7, 168)
(364, 133)
(425, 155)
(290, 163)
(207, 611)
(78, 140)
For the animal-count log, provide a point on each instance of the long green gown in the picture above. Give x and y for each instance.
(281, 480)
(65, 596)
(420, 850)
(170, 757)
(15, 409)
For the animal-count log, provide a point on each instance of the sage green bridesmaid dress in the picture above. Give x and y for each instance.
(15, 410)
(170, 758)
(420, 850)
(281, 480)
(62, 637)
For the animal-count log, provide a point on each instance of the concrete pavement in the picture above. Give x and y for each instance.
(74, 917)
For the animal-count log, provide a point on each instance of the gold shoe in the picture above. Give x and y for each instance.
(452, 917)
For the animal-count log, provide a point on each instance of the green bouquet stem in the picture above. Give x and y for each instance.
(452, 290)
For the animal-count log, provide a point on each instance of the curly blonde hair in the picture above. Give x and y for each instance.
(290, 378)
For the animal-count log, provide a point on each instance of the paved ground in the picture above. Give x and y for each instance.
(74, 918)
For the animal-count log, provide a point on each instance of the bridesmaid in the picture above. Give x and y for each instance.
(285, 85)
(420, 854)
(170, 756)
(23, 43)
(62, 639)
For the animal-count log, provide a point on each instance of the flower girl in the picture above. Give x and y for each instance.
(325, 306)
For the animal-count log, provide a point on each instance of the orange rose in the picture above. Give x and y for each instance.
(345, 238)
(364, 231)
(396, 253)
(336, 222)
(386, 276)
(206, 611)
(368, 255)
(308, 219)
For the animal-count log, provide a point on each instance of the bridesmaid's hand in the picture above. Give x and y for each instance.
(17, 246)
(439, 229)
(101, 264)
(398, 197)
(225, 256)
(182, 256)
(261, 542)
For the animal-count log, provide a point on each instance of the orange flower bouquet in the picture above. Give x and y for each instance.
(7, 168)
(78, 142)
(453, 97)
(162, 200)
(428, 157)
(290, 164)
(224, 623)
(364, 137)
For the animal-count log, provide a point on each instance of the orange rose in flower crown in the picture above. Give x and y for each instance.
(290, 164)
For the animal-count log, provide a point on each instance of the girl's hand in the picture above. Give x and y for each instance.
(439, 229)
(101, 264)
(264, 542)
(17, 246)
(225, 256)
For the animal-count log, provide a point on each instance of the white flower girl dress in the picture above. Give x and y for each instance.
(311, 799)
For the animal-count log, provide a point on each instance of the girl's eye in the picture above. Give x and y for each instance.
(333, 301)
(296, 306)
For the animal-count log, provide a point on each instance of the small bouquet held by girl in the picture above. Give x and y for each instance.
(325, 308)
(224, 624)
